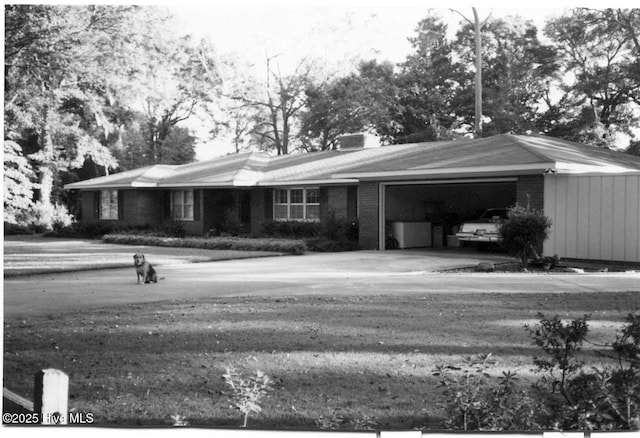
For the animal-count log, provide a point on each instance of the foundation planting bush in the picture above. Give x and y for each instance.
(294, 247)
(290, 229)
(522, 232)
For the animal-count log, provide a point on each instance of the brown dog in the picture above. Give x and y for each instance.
(144, 269)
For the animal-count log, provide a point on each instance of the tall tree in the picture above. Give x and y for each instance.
(75, 81)
(427, 83)
(601, 59)
(517, 69)
(54, 55)
(180, 77)
(280, 102)
(366, 100)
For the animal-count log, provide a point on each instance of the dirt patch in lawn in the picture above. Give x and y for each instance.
(344, 362)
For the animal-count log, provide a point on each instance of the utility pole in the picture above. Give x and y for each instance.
(477, 27)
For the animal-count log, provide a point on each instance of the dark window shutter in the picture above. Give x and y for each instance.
(120, 205)
(324, 202)
(268, 203)
(96, 205)
(196, 205)
(352, 202)
(166, 204)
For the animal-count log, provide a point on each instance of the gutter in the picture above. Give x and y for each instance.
(510, 170)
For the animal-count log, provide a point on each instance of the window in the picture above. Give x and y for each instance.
(182, 205)
(109, 204)
(297, 204)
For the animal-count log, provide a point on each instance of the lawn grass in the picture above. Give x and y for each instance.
(345, 362)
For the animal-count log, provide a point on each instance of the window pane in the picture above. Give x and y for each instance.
(313, 196)
(297, 212)
(281, 196)
(188, 212)
(313, 212)
(177, 197)
(281, 212)
(109, 204)
(296, 196)
(188, 197)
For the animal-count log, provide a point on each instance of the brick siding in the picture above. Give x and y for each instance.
(369, 206)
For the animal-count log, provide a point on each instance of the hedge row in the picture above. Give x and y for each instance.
(288, 246)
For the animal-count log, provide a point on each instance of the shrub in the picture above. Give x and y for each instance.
(597, 399)
(97, 230)
(12, 229)
(247, 392)
(331, 234)
(560, 342)
(523, 231)
(288, 246)
(321, 244)
(231, 226)
(566, 397)
(333, 228)
(290, 229)
(39, 218)
(474, 401)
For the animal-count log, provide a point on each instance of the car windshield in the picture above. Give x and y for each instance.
(497, 213)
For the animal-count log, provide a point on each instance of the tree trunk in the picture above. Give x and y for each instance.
(46, 170)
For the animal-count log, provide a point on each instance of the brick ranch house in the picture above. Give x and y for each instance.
(592, 195)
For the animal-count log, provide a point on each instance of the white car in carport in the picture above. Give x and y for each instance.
(486, 229)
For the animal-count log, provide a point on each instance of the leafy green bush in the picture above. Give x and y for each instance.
(96, 230)
(288, 246)
(331, 234)
(560, 342)
(523, 231)
(321, 244)
(596, 399)
(565, 397)
(11, 229)
(290, 229)
(474, 401)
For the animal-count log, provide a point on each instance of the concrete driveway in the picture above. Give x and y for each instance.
(349, 273)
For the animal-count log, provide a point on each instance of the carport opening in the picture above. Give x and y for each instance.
(429, 215)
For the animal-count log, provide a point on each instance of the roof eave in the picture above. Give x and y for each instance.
(307, 182)
(509, 170)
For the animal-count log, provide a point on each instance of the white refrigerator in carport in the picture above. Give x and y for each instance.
(412, 234)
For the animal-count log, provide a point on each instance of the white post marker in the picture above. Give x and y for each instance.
(50, 396)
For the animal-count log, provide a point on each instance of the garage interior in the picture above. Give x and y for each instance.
(428, 214)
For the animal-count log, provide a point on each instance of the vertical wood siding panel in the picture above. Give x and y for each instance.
(595, 217)
(619, 217)
(572, 217)
(632, 223)
(582, 230)
(550, 187)
(561, 216)
(606, 225)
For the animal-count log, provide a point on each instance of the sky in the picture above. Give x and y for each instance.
(338, 32)
(334, 31)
